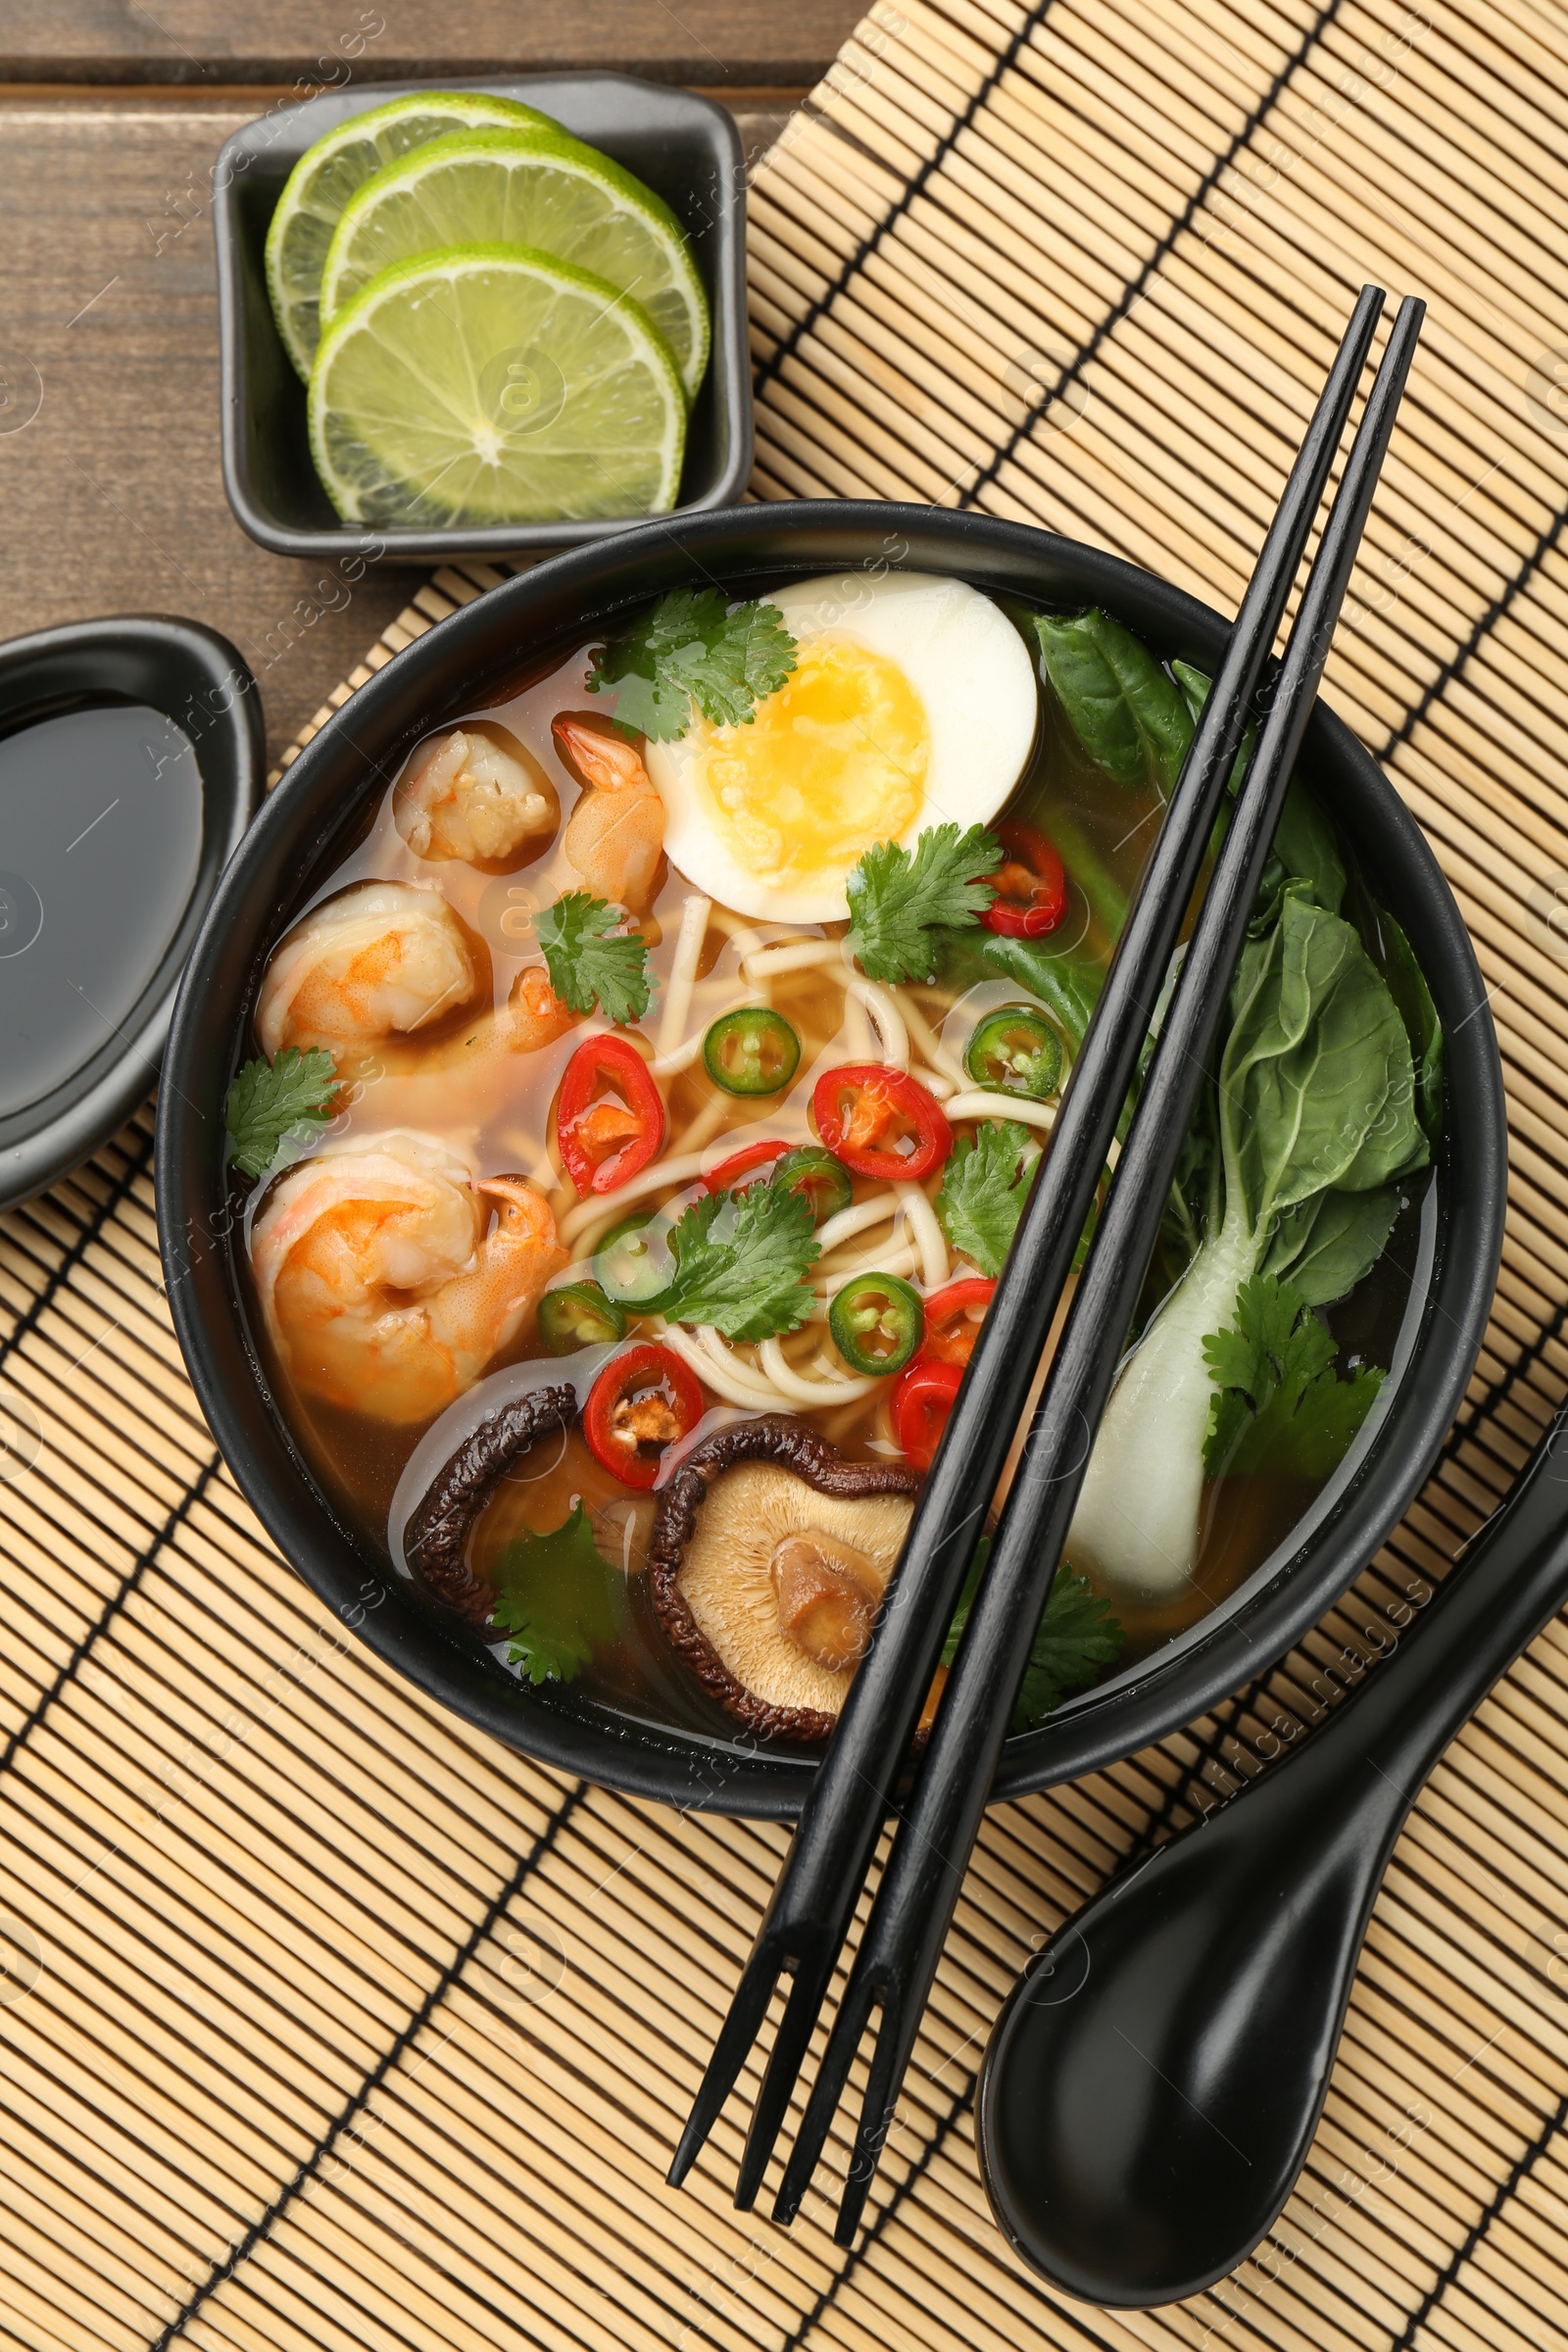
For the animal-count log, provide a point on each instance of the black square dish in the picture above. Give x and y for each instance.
(684, 147)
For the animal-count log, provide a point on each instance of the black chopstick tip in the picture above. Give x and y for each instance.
(704, 2116)
(847, 2228)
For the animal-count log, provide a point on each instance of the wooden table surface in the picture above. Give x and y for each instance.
(109, 116)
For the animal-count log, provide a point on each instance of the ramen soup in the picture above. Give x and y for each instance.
(640, 1115)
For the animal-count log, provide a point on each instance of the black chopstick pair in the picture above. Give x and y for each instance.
(814, 1900)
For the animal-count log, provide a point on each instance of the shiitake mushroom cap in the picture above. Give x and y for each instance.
(720, 1517)
(435, 1539)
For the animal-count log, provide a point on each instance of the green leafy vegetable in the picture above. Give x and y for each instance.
(1195, 686)
(1077, 1635)
(741, 1263)
(1067, 983)
(558, 1599)
(1122, 704)
(271, 1102)
(1312, 1117)
(984, 1188)
(1327, 1243)
(589, 957)
(1303, 839)
(1304, 849)
(1407, 985)
(694, 647)
(899, 902)
(1088, 872)
(1316, 1085)
(1277, 1405)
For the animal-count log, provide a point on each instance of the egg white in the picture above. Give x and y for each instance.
(967, 666)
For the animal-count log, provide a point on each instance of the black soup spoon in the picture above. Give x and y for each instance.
(1151, 2091)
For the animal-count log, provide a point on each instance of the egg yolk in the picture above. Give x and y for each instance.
(833, 761)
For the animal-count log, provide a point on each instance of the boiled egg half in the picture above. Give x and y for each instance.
(911, 703)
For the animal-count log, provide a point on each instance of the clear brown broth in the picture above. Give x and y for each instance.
(359, 1460)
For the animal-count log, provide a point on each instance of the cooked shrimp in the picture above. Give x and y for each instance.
(382, 1289)
(532, 1017)
(615, 834)
(476, 794)
(535, 1015)
(382, 958)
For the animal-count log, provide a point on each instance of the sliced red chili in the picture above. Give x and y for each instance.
(953, 1319)
(880, 1122)
(728, 1173)
(1030, 884)
(922, 1400)
(610, 1116)
(643, 1401)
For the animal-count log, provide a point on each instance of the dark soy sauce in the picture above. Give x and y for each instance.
(100, 839)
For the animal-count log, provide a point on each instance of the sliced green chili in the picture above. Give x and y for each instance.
(1015, 1051)
(752, 1052)
(635, 1263)
(878, 1323)
(579, 1315)
(825, 1180)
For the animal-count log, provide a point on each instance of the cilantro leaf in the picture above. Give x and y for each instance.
(898, 903)
(558, 1599)
(694, 647)
(1277, 1403)
(741, 1262)
(985, 1186)
(1078, 1633)
(269, 1101)
(587, 956)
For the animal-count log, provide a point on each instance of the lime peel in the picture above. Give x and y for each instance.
(329, 172)
(540, 188)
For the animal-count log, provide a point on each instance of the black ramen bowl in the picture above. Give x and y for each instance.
(467, 662)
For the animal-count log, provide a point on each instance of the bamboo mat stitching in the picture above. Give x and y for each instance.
(1486, 623)
(1136, 285)
(118, 1192)
(1473, 1423)
(117, 1601)
(527, 1863)
(823, 303)
(1476, 2235)
(877, 2229)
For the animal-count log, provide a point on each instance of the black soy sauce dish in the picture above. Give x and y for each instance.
(131, 760)
(474, 657)
(1152, 2090)
(684, 147)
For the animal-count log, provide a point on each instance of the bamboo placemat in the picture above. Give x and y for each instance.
(328, 2022)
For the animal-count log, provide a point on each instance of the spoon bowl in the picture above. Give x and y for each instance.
(1150, 2090)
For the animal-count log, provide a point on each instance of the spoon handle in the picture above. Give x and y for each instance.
(1151, 2089)
(1511, 1582)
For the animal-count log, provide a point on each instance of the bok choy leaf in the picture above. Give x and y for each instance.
(1123, 705)
(1313, 1124)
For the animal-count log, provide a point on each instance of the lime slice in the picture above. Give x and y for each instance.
(493, 384)
(327, 174)
(540, 188)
